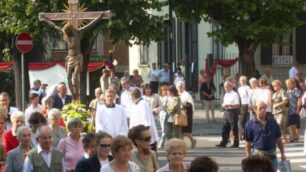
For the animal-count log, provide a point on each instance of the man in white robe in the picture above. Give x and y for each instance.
(141, 113)
(110, 117)
(125, 97)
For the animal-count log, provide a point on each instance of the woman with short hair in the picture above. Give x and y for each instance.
(33, 107)
(172, 107)
(280, 101)
(15, 158)
(295, 99)
(175, 152)
(121, 150)
(72, 146)
(143, 156)
(9, 137)
(58, 132)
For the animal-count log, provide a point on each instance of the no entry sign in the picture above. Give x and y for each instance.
(24, 42)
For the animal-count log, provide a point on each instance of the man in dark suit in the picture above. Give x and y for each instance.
(61, 98)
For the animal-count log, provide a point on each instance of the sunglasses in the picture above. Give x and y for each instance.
(146, 139)
(105, 146)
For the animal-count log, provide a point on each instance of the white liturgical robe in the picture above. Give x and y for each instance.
(112, 120)
(141, 113)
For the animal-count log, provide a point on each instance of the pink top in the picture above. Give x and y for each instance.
(73, 151)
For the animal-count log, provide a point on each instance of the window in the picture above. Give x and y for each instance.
(282, 54)
(144, 54)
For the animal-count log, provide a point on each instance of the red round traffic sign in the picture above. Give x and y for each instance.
(24, 42)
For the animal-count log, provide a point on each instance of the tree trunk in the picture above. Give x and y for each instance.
(17, 73)
(86, 47)
(246, 56)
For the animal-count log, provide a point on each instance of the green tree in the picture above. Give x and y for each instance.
(246, 23)
(131, 22)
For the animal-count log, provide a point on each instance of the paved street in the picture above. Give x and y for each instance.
(229, 159)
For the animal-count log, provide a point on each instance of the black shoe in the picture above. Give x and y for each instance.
(221, 145)
(235, 146)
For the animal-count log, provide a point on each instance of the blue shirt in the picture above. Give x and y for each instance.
(263, 136)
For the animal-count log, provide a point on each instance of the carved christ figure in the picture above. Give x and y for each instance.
(74, 59)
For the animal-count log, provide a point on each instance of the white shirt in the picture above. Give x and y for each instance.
(126, 101)
(141, 113)
(153, 74)
(29, 111)
(177, 79)
(111, 120)
(47, 156)
(293, 72)
(265, 95)
(244, 93)
(103, 162)
(231, 98)
(254, 93)
(186, 97)
(132, 167)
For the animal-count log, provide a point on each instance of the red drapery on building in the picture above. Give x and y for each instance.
(223, 63)
(92, 66)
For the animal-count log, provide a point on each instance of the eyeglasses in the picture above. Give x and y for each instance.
(104, 145)
(146, 139)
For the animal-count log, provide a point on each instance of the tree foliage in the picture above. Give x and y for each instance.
(247, 23)
(131, 22)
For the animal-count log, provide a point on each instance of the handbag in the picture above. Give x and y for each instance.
(284, 166)
(180, 119)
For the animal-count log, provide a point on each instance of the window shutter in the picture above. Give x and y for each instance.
(300, 37)
(266, 55)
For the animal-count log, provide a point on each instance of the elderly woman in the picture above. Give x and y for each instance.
(58, 132)
(172, 107)
(72, 146)
(175, 152)
(280, 102)
(9, 137)
(145, 158)
(15, 159)
(295, 99)
(188, 107)
(121, 150)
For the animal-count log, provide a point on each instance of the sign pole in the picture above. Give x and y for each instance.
(22, 81)
(24, 44)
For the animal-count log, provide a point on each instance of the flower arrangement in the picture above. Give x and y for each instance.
(78, 110)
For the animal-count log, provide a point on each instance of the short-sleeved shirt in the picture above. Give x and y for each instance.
(263, 136)
(231, 98)
(279, 97)
(293, 95)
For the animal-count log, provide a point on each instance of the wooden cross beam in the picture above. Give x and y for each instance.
(75, 15)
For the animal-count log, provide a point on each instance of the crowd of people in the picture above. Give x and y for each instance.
(126, 113)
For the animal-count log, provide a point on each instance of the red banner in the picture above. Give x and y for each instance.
(92, 66)
(223, 63)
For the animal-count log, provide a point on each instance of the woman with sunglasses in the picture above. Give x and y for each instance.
(143, 156)
(121, 150)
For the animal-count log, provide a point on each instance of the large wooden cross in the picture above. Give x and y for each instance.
(74, 16)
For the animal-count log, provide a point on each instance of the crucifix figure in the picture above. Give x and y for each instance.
(72, 35)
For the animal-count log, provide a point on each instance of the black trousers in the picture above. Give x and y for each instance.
(154, 86)
(244, 115)
(231, 117)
